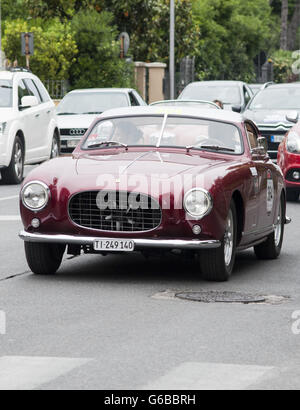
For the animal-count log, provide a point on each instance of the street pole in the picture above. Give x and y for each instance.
(172, 49)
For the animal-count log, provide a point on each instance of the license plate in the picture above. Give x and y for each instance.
(277, 138)
(116, 245)
(72, 144)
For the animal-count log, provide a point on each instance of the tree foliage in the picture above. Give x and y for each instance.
(55, 48)
(98, 63)
(232, 34)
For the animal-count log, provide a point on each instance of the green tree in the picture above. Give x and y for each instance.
(147, 22)
(98, 63)
(13, 9)
(55, 48)
(232, 33)
(64, 9)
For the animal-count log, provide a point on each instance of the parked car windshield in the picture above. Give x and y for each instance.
(227, 94)
(277, 99)
(5, 93)
(91, 103)
(184, 103)
(154, 131)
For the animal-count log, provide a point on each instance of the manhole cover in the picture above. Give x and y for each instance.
(221, 297)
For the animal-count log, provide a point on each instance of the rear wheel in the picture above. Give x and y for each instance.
(271, 248)
(14, 173)
(44, 258)
(217, 264)
(292, 195)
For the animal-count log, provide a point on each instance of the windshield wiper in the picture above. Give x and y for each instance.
(107, 144)
(211, 147)
(217, 148)
(67, 113)
(92, 112)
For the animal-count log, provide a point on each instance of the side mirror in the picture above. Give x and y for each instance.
(293, 117)
(237, 108)
(263, 143)
(28, 102)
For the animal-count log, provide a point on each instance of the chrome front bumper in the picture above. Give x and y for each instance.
(139, 243)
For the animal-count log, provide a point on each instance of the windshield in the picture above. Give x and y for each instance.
(226, 94)
(165, 131)
(196, 104)
(5, 93)
(91, 103)
(277, 99)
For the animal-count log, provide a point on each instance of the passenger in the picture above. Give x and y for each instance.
(219, 104)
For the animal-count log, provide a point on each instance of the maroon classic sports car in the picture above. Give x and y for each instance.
(158, 179)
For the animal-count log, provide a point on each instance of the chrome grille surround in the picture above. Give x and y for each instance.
(85, 212)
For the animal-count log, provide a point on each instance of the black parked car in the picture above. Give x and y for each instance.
(269, 108)
(235, 95)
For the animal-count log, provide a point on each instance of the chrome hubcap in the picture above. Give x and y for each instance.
(18, 160)
(278, 226)
(229, 239)
(54, 150)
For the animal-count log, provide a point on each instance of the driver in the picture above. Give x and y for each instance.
(127, 133)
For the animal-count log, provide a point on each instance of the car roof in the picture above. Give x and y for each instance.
(284, 85)
(228, 83)
(99, 90)
(219, 115)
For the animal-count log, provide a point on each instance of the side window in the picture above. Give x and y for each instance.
(43, 91)
(22, 92)
(252, 136)
(133, 100)
(32, 89)
(247, 95)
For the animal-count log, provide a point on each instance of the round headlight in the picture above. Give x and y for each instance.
(293, 143)
(35, 196)
(198, 203)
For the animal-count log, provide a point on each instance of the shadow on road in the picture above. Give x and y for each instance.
(135, 268)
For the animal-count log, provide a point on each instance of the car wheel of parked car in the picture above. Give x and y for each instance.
(55, 149)
(44, 258)
(13, 174)
(271, 248)
(292, 195)
(217, 264)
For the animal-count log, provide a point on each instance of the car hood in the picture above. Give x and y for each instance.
(269, 117)
(155, 164)
(74, 174)
(75, 121)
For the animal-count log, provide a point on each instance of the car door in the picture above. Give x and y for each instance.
(41, 120)
(30, 123)
(265, 185)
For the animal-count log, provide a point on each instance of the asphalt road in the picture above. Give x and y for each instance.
(106, 323)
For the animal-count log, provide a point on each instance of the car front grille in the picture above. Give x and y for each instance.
(73, 132)
(115, 211)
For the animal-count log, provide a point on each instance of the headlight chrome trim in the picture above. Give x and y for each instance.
(47, 189)
(207, 193)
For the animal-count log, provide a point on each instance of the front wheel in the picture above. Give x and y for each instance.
(14, 173)
(271, 248)
(55, 148)
(217, 264)
(44, 258)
